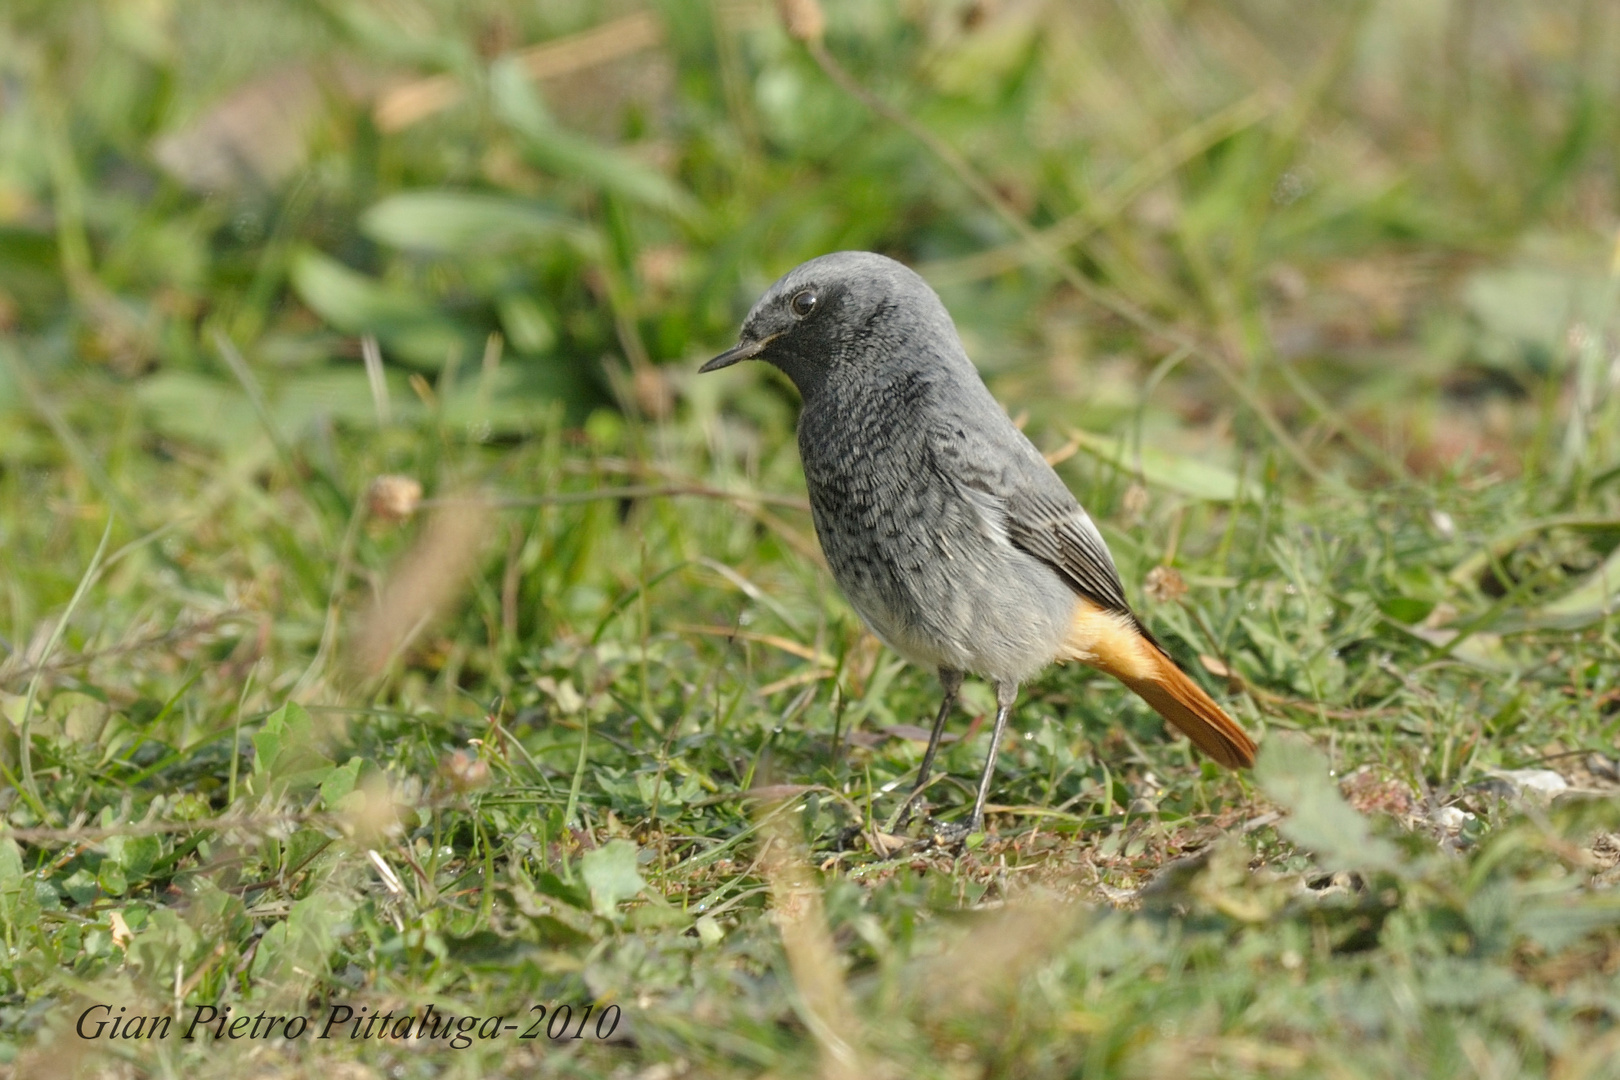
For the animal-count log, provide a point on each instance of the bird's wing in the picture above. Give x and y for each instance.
(1065, 538)
(1002, 474)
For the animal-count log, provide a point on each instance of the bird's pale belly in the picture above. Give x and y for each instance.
(942, 602)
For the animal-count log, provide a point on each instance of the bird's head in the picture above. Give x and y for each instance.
(845, 315)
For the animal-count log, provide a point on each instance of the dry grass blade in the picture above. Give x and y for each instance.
(812, 956)
(371, 356)
(428, 578)
(416, 101)
(775, 641)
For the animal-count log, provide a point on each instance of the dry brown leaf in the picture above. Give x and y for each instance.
(256, 135)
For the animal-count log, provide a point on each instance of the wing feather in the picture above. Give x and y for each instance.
(1001, 473)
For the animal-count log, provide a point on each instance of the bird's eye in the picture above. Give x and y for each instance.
(803, 303)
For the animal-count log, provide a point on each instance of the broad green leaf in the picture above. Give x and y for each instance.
(11, 708)
(460, 222)
(185, 405)
(709, 930)
(610, 874)
(1555, 924)
(1531, 306)
(168, 939)
(343, 395)
(658, 914)
(1594, 599)
(355, 303)
(302, 846)
(80, 715)
(11, 866)
(526, 326)
(339, 782)
(267, 742)
(110, 876)
(135, 854)
(549, 884)
(1160, 468)
(80, 886)
(1295, 774)
(1406, 609)
(502, 401)
(285, 752)
(1454, 982)
(349, 299)
(300, 949)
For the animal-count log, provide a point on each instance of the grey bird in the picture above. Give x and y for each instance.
(945, 527)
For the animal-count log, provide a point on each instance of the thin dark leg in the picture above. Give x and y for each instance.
(1006, 694)
(952, 682)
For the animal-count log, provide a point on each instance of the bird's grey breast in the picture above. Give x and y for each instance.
(923, 558)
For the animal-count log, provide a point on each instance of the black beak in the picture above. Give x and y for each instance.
(748, 350)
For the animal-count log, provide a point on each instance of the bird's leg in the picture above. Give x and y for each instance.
(952, 682)
(1006, 694)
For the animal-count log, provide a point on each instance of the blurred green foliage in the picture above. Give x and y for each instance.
(1320, 314)
(295, 174)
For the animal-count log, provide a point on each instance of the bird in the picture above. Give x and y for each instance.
(945, 528)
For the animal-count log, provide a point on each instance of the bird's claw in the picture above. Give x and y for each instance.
(950, 834)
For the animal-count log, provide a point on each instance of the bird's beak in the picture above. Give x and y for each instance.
(748, 350)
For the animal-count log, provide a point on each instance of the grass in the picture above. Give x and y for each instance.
(1316, 307)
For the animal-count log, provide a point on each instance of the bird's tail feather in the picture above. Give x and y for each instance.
(1185, 704)
(1113, 642)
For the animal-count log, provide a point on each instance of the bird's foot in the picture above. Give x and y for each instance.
(955, 834)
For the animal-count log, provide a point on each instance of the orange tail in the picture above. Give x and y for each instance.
(1183, 702)
(1112, 643)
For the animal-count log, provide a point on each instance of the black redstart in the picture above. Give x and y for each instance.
(945, 527)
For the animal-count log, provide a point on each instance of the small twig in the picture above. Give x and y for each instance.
(93, 835)
(223, 823)
(172, 636)
(700, 491)
(812, 676)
